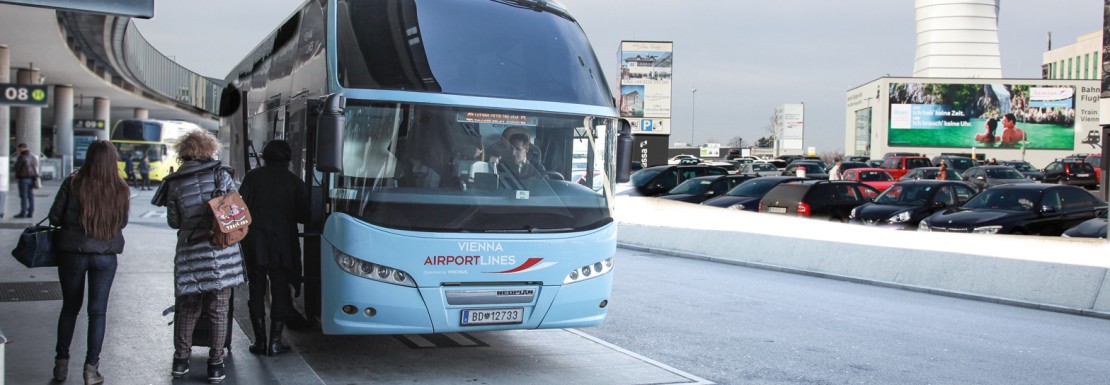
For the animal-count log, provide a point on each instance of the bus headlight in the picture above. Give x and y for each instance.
(592, 270)
(371, 271)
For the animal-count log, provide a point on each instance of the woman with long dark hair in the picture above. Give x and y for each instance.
(91, 208)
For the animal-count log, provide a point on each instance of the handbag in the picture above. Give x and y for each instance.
(36, 246)
(230, 217)
(38, 183)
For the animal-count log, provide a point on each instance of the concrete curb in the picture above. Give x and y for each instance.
(1048, 273)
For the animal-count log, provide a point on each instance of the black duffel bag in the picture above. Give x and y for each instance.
(36, 246)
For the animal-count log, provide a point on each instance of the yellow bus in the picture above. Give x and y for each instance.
(155, 138)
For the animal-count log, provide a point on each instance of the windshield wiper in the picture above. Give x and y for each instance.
(530, 229)
(538, 6)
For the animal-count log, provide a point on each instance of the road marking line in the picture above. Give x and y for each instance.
(460, 339)
(419, 341)
(698, 380)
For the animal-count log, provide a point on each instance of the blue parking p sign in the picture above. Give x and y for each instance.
(645, 125)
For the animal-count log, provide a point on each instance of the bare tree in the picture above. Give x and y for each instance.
(736, 142)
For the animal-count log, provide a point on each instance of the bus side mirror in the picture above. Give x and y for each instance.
(624, 152)
(329, 134)
(230, 98)
(165, 150)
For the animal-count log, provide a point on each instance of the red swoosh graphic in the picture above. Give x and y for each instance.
(529, 263)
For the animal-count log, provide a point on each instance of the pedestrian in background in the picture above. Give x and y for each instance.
(91, 209)
(204, 275)
(26, 170)
(129, 169)
(144, 171)
(834, 172)
(278, 201)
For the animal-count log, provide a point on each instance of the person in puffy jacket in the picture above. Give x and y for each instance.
(204, 274)
(91, 209)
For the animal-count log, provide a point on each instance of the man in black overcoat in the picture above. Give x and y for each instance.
(278, 201)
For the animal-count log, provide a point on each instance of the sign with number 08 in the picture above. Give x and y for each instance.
(31, 95)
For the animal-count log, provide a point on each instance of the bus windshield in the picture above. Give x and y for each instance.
(138, 130)
(511, 50)
(451, 169)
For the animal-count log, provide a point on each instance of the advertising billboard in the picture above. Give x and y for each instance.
(792, 121)
(999, 115)
(645, 86)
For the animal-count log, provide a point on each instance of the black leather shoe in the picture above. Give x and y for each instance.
(275, 346)
(215, 372)
(260, 341)
(180, 367)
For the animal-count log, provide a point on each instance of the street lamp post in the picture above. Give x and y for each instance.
(693, 114)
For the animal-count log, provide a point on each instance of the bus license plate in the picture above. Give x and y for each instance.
(777, 210)
(492, 316)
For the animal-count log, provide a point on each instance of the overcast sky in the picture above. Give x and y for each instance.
(744, 57)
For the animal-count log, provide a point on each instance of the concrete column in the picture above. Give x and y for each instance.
(5, 126)
(142, 113)
(28, 120)
(102, 110)
(63, 126)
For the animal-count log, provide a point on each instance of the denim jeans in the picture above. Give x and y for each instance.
(72, 270)
(26, 196)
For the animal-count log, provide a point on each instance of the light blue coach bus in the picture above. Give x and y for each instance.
(441, 199)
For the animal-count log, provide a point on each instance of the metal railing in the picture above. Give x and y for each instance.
(164, 76)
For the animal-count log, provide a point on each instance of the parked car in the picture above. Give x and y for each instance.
(1070, 171)
(820, 199)
(697, 190)
(746, 196)
(856, 158)
(876, 163)
(778, 163)
(850, 165)
(813, 170)
(955, 162)
(731, 167)
(1095, 160)
(984, 177)
(899, 165)
(1030, 208)
(652, 181)
(874, 177)
(684, 159)
(906, 203)
(930, 173)
(1024, 168)
(1091, 228)
(759, 169)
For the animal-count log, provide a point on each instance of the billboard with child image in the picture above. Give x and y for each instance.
(982, 115)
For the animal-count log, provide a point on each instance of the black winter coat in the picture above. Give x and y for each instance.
(199, 266)
(278, 201)
(66, 213)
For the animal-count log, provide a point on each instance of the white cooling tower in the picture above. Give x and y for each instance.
(957, 39)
